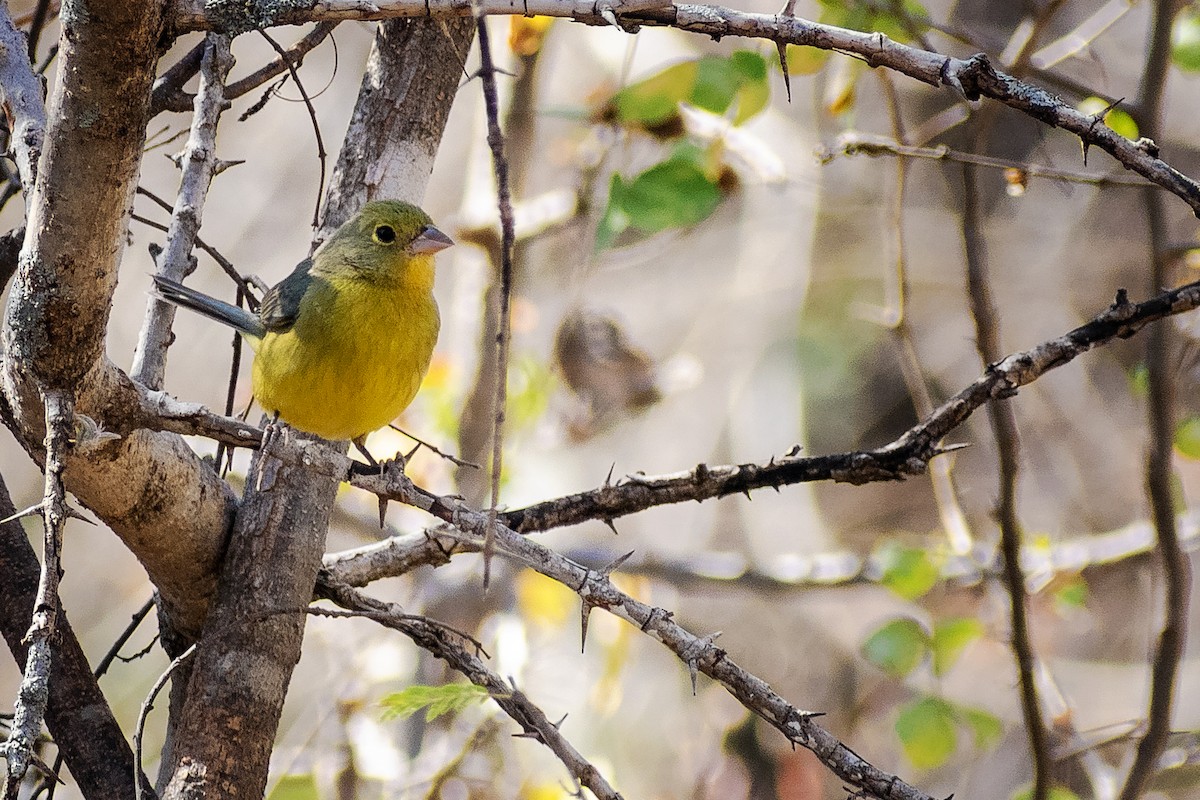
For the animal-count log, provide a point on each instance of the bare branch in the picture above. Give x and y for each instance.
(1004, 428)
(198, 163)
(854, 143)
(34, 693)
(1161, 408)
(487, 77)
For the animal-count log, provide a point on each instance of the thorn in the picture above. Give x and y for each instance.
(531, 734)
(781, 47)
(608, 480)
(221, 165)
(608, 570)
(608, 521)
(693, 661)
(558, 724)
(383, 508)
(585, 611)
(793, 451)
(747, 493)
(79, 516)
(34, 509)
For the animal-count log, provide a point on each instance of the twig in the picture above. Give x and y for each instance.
(312, 115)
(23, 98)
(34, 691)
(40, 13)
(487, 77)
(168, 94)
(954, 521)
(49, 785)
(973, 78)
(172, 97)
(198, 164)
(1004, 427)
(1161, 408)
(224, 263)
(144, 712)
(435, 639)
(854, 143)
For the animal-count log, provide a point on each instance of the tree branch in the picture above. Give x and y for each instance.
(972, 78)
(198, 163)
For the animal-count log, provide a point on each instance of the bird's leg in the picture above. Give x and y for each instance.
(270, 434)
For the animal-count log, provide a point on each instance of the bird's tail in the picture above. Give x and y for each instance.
(239, 319)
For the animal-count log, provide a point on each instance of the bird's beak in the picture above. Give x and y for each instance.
(429, 240)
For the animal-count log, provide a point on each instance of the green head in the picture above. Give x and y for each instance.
(383, 237)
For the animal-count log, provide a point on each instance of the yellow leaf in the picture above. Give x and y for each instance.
(526, 34)
(544, 601)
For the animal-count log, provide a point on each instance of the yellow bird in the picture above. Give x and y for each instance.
(342, 344)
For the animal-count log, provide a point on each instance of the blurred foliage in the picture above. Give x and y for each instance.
(908, 571)
(686, 186)
(436, 700)
(901, 21)
(736, 84)
(928, 730)
(526, 35)
(1056, 793)
(950, 637)
(1187, 437)
(680, 191)
(897, 647)
(295, 787)
(1185, 39)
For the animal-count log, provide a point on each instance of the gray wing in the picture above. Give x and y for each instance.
(281, 305)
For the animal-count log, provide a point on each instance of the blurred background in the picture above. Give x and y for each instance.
(738, 301)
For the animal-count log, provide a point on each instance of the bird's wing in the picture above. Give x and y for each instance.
(281, 305)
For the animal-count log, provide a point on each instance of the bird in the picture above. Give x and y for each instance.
(342, 344)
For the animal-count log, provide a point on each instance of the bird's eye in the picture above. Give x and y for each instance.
(385, 234)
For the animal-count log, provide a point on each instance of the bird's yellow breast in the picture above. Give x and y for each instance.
(354, 358)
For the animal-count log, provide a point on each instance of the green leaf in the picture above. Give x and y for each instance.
(867, 16)
(1187, 437)
(295, 787)
(1073, 593)
(436, 700)
(1118, 120)
(754, 90)
(1139, 380)
(656, 99)
(908, 571)
(950, 636)
(986, 728)
(673, 194)
(1185, 40)
(712, 83)
(897, 647)
(927, 731)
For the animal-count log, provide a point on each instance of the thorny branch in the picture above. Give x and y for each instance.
(902, 458)
(34, 691)
(443, 644)
(973, 78)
